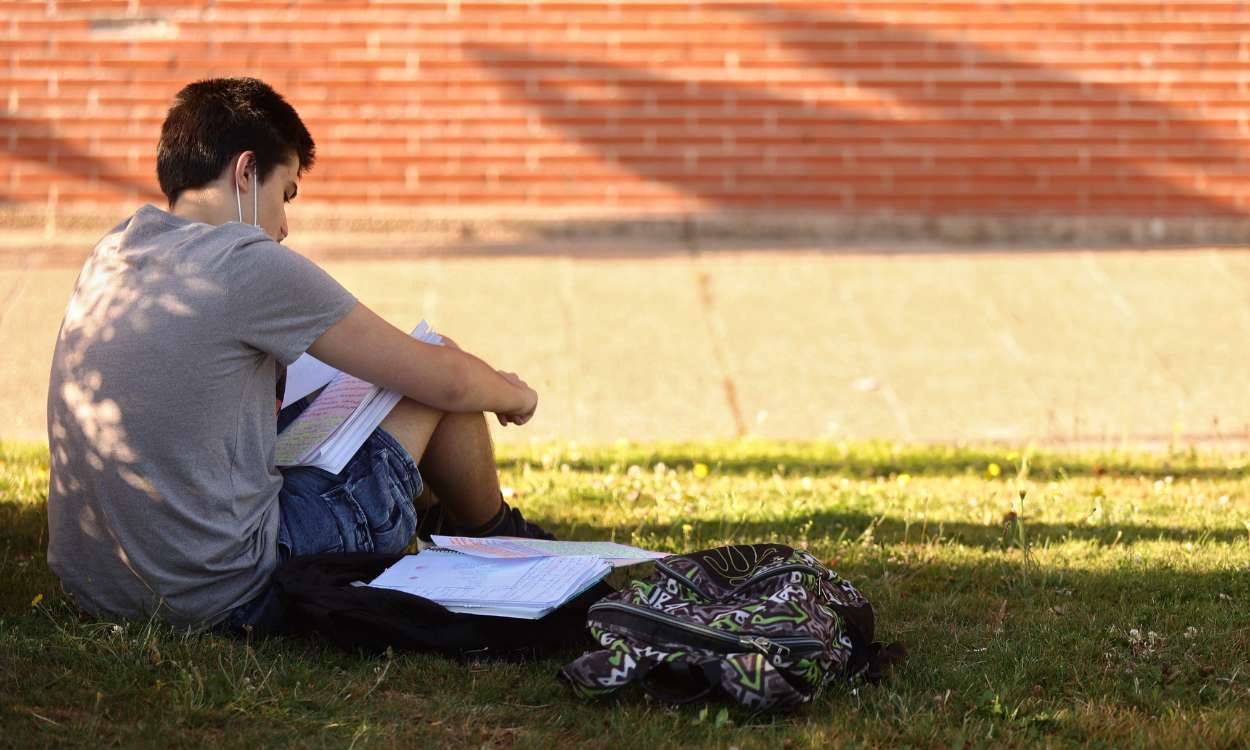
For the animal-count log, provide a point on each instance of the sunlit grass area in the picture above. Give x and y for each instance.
(1086, 599)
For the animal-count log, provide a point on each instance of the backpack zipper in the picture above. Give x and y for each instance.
(779, 569)
(678, 576)
(753, 579)
(762, 644)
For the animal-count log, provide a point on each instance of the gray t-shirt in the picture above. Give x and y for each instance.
(163, 494)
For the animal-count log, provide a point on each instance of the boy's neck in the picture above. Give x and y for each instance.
(206, 205)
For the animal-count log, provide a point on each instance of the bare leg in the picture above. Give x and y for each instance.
(426, 500)
(456, 458)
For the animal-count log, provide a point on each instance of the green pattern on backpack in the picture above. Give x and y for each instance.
(759, 624)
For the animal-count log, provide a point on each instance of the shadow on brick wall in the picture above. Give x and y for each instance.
(1103, 150)
(34, 141)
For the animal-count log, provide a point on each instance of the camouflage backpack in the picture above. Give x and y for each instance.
(765, 624)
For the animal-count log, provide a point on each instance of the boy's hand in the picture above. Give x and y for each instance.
(522, 415)
(366, 346)
(530, 400)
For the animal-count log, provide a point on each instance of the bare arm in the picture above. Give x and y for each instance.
(443, 377)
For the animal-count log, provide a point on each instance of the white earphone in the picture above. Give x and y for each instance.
(238, 201)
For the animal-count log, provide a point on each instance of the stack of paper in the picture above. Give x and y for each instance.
(334, 426)
(525, 588)
(616, 555)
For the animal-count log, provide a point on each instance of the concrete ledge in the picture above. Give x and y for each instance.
(327, 226)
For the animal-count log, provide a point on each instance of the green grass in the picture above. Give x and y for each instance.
(1110, 607)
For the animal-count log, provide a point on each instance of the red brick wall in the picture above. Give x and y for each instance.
(931, 108)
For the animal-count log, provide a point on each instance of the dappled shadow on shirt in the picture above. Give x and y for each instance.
(97, 395)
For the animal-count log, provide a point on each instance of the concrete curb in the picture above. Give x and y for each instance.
(327, 226)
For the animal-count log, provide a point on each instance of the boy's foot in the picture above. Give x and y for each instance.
(514, 524)
(507, 522)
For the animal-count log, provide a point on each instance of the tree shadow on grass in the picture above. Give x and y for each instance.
(863, 462)
(1051, 662)
(891, 529)
(1036, 640)
(24, 571)
(24, 526)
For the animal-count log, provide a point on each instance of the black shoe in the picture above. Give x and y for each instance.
(514, 524)
(507, 522)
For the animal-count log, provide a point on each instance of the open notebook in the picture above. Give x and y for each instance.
(526, 588)
(339, 420)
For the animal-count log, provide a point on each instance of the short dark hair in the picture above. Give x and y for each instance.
(213, 121)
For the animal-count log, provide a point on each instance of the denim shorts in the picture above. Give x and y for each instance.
(367, 507)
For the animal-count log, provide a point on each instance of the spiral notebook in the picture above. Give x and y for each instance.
(524, 588)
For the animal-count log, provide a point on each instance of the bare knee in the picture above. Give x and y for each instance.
(412, 424)
(465, 420)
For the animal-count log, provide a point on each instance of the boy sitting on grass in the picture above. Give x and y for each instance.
(163, 498)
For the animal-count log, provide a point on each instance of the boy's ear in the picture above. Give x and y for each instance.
(243, 165)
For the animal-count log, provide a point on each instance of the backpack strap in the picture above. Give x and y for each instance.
(680, 681)
(869, 658)
(883, 658)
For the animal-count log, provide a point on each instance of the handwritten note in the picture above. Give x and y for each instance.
(511, 547)
(319, 421)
